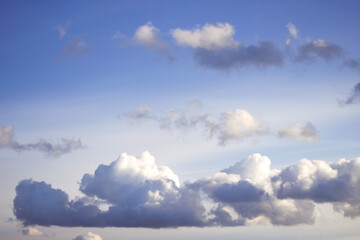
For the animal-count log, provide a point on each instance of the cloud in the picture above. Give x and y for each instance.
(238, 125)
(77, 47)
(293, 31)
(140, 113)
(147, 36)
(216, 48)
(88, 236)
(265, 54)
(354, 97)
(209, 37)
(353, 64)
(56, 150)
(318, 49)
(142, 194)
(230, 126)
(319, 181)
(30, 231)
(62, 29)
(300, 131)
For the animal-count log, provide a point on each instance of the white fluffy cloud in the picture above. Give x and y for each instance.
(209, 37)
(30, 231)
(56, 150)
(238, 125)
(147, 36)
(300, 131)
(88, 236)
(141, 194)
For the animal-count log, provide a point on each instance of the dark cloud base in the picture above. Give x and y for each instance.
(139, 193)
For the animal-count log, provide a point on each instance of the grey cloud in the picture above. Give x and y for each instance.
(318, 49)
(143, 194)
(354, 96)
(56, 150)
(353, 64)
(265, 54)
(140, 113)
(300, 131)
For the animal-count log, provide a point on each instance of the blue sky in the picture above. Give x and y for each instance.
(202, 86)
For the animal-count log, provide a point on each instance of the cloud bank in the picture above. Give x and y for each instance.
(230, 126)
(55, 150)
(140, 193)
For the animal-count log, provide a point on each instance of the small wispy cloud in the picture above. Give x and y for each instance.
(354, 96)
(55, 150)
(293, 31)
(77, 47)
(62, 29)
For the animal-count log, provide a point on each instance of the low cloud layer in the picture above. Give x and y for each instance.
(55, 150)
(140, 193)
(88, 236)
(230, 126)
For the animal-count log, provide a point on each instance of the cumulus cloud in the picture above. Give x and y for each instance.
(313, 49)
(30, 231)
(300, 131)
(238, 125)
(321, 181)
(62, 29)
(293, 31)
(354, 97)
(231, 126)
(140, 194)
(209, 37)
(216, 48)
(88, 236)
(56, 150)
(77, 47)
(143, 194)
(148, 37)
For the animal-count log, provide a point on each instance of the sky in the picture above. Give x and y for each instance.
(179, 119)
